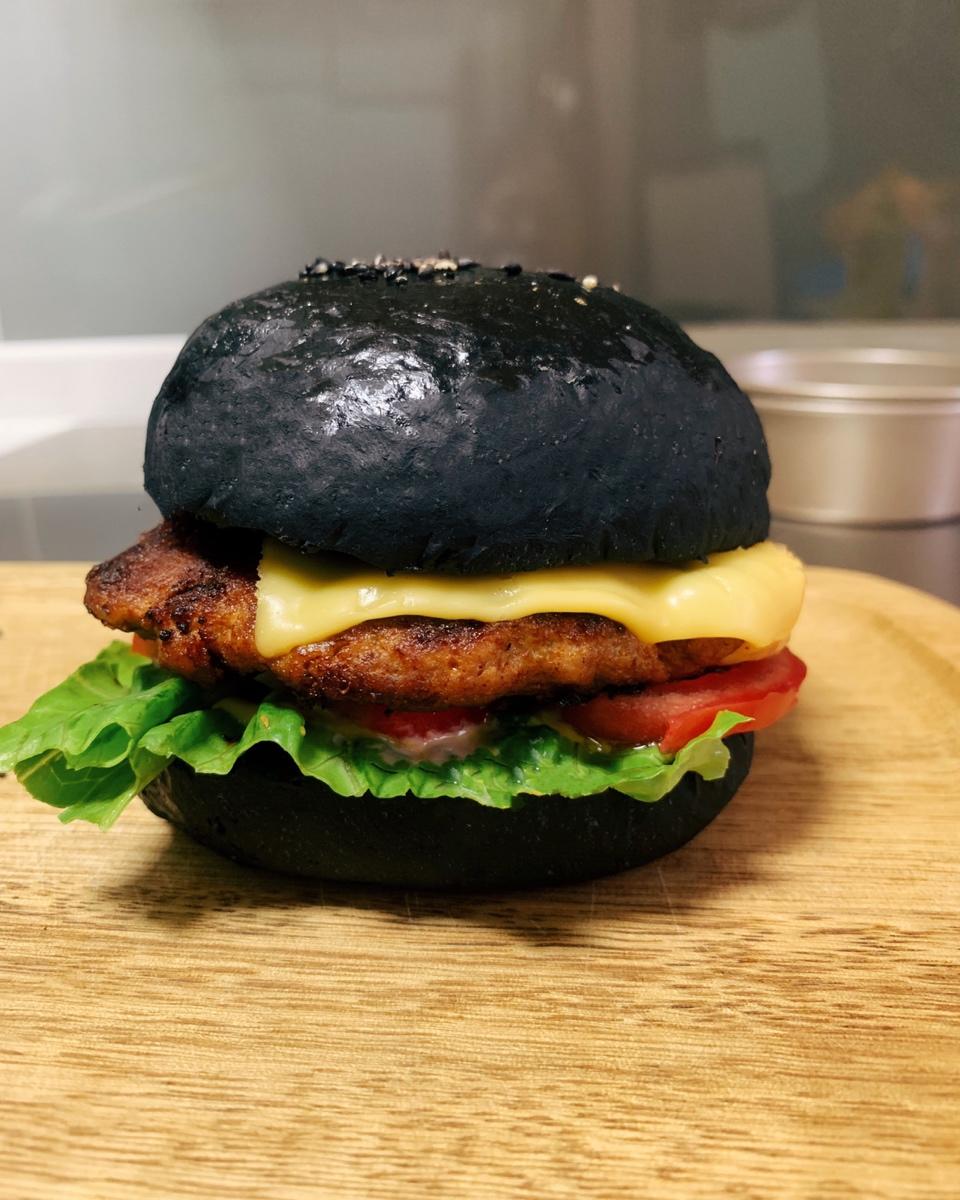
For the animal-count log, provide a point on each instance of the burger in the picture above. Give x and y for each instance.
(463, 581)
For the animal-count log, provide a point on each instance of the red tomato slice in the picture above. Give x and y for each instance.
(397, 723)
(670, 714)
(144, 646)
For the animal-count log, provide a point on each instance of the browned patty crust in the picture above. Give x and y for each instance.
(192, 587)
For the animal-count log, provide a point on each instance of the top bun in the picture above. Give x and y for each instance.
(458, 419)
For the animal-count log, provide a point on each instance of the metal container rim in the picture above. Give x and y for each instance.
(753, 372)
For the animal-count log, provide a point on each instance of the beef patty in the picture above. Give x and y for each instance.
(192, 587)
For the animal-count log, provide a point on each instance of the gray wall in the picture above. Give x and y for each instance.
(720, 157)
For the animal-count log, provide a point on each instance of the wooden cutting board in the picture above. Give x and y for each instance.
(771, 1012)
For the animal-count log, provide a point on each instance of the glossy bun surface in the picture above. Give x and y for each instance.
(467, 421)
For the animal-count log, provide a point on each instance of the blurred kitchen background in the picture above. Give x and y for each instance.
(780, 175)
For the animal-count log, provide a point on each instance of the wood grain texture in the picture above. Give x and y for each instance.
(771, 1012)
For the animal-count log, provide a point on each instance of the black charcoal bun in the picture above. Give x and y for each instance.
(461, 420)
(265, 813)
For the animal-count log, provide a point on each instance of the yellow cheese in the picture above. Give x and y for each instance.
(752, 594)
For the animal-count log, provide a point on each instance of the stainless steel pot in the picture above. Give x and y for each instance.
(858, 436)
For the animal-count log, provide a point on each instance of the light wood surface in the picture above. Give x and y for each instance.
(771, 1012)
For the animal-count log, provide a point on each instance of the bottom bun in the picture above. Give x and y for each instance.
(266, 814)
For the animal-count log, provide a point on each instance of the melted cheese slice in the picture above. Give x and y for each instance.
(752, 594)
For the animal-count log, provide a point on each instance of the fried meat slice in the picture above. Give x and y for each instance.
(192, 587)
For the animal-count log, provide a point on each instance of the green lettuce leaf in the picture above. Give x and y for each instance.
(78, 746)
(94, 741)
